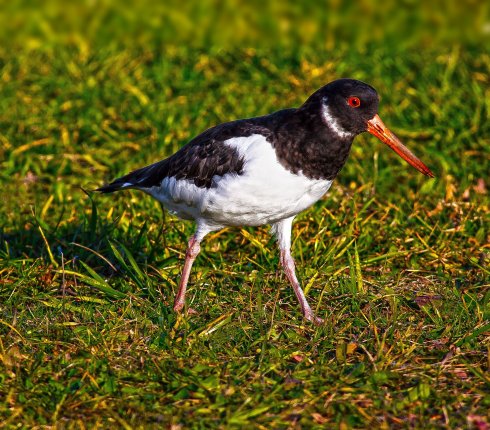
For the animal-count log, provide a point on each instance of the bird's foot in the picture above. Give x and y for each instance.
(314, 319)
(178, 307)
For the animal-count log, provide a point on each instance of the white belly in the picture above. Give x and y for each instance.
(264, 193)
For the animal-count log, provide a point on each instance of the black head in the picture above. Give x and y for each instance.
(345, 105)
(348, 107)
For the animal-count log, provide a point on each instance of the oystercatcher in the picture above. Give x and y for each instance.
(264, 170)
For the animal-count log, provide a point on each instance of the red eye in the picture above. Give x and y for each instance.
(354, 102)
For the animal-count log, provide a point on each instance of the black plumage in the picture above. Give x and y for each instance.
(299, 137)
(203, 158)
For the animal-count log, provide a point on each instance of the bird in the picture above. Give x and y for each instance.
(264, 170)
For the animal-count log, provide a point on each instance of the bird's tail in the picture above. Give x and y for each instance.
(140, 178)
(110, 188)
(122, 183)
(113, 186)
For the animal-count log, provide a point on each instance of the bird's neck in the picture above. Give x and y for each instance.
(308, 146)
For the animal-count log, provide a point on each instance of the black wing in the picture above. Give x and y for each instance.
(203, 158)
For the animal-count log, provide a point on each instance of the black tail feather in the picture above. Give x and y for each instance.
(144, 178)
(113, 186)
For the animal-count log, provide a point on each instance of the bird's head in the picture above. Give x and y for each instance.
(349, 107)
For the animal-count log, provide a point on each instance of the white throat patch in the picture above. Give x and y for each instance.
(333, 124)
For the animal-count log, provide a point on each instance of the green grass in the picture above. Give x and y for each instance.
(396, 263)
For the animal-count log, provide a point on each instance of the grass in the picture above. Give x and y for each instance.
(397, 264)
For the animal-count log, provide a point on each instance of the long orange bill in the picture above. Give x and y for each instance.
(377, 128)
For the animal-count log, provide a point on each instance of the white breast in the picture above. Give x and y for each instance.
(264, 193)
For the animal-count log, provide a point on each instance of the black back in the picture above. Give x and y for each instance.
(303, 142)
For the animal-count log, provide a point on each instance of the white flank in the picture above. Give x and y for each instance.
(264, 193)
(333, 124)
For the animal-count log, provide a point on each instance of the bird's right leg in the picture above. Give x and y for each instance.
(282, 230)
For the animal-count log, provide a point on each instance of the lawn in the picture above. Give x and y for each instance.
(396, 263)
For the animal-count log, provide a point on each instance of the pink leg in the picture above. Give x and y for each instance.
(287, 263)
(190, 255)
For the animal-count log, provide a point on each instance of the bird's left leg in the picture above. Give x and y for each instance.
(193, 250)
(282, 231)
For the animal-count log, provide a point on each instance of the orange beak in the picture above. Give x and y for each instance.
(377, 128)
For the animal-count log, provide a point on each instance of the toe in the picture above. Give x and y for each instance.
(178, 307)
(314, 319)
(318, 320)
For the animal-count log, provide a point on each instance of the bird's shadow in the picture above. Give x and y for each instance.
(102, 243)
(89, 238)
